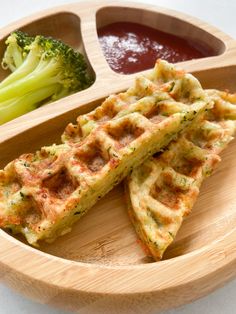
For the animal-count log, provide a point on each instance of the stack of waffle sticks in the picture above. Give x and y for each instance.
(43, 194)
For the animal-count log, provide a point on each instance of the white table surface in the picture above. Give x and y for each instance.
(217, 12)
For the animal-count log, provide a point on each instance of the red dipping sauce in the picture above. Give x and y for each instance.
(130, 47)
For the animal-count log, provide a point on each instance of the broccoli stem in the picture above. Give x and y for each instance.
(45, 76)
(13, 59)
(25, 68)
(17, 57)
(17, 106)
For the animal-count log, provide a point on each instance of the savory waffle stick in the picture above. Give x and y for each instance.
(159, 95)
(162, 191)
(43, 194)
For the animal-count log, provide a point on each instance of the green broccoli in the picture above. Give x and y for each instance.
(17, 50)
(43, 70)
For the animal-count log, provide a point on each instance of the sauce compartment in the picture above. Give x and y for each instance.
(132, 39)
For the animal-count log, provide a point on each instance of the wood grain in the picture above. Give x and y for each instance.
(100, 267)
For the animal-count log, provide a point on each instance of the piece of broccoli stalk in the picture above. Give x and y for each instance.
(43, 70)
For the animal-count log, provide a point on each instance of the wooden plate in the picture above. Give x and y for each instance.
(99, 267)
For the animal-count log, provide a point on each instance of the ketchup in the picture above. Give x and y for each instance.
(130, 47)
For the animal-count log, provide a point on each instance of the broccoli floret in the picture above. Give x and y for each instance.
(43, 70)
(17, 50)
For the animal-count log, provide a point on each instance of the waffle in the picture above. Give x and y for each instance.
(43, 194)
(162, 191)
(162, 93)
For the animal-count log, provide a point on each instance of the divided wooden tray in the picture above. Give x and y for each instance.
(99, 267)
